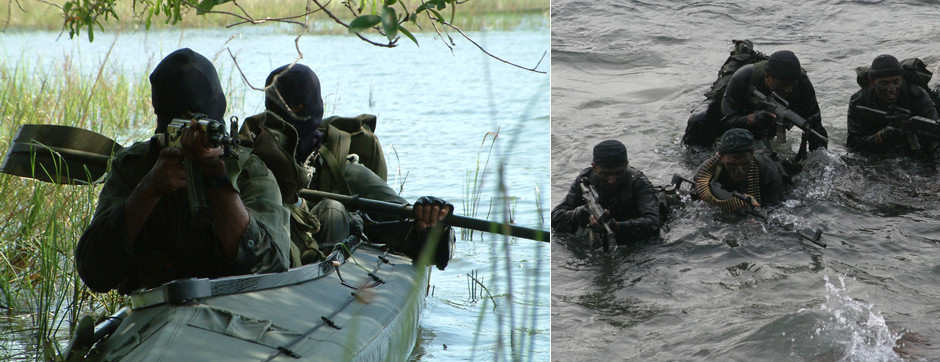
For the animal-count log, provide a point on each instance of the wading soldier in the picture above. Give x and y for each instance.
(883, 132)
(629, 202)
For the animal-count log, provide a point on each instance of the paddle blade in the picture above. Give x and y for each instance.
(59, 154)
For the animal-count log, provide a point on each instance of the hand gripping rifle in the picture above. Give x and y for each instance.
(779, 106)
(748, 200)
(723, 194)
(592, 201)
(909, 123)
(217, 137)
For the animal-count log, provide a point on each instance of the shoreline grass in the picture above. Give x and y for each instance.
(473, 15)
(43, 297)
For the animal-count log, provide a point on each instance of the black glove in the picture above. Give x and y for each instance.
(446, 242)
(891, 136)
(434, 201)
(582, 215)
(763, 119)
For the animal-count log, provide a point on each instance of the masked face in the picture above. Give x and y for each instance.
(887, 89)
(737, 165)
(610, 177)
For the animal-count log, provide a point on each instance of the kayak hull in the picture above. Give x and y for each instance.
(338, 316)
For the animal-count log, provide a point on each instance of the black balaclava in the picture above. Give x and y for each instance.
(294, 85)
(185, 81)
(783, 65)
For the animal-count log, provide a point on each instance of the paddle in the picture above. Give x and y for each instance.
(402, 210)
(59, 154)
(69, 155)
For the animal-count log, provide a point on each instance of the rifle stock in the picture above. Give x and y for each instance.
(779, 106)
(407, 211)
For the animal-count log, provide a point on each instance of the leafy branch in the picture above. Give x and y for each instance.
(391, 19)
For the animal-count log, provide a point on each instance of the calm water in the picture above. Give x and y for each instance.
(434, 107)
(735, 290)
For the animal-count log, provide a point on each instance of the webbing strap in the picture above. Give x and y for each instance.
(336, 161)
(183, 290)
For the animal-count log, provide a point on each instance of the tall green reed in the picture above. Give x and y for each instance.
(41, 222)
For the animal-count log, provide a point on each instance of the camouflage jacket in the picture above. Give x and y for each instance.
(171, 244)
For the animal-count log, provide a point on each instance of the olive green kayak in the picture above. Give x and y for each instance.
(363, 306)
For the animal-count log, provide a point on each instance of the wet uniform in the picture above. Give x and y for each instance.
(863, 125)
(739, 102)
(634, 208)
(767, 188)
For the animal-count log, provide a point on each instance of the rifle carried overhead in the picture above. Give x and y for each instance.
(779, 106)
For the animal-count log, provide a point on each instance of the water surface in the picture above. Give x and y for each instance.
(435, 106)
(718, 289)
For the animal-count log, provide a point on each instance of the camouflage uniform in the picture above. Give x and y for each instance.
(171, 244)
(327, 223)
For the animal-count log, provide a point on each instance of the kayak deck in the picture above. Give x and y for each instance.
(344, 315)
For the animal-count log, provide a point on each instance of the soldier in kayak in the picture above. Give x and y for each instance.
(288, 137)
(878, 113)
(627, 200)
(143, 232)
(782, 75)
(736, 178)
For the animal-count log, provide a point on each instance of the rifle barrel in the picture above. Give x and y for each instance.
(404, 210)
(783, 110)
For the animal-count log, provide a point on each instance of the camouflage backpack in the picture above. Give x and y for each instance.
(915, 73)
(702, 128)
(348, 138)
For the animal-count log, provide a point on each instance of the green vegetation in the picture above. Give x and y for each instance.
(41, 295)
(40, 222)
(469, 16)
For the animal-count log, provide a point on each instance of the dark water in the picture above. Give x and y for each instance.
(718, 289)
(435, 107)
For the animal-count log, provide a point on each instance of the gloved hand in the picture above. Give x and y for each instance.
(763, 119)
(891, 136)
(582, 215)
(429, 210)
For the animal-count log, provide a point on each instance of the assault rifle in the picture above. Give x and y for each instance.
(779, 106)
(748, 201)
(909, 123)
(216, 137)
(592, 201)
(723, 194)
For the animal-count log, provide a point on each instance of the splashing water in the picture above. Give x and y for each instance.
(859, 328)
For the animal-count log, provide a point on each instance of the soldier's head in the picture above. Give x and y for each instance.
(782, 72)
(736, 152)
(292, 92)
(184, 83)
(885, 77)
(610, 163)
